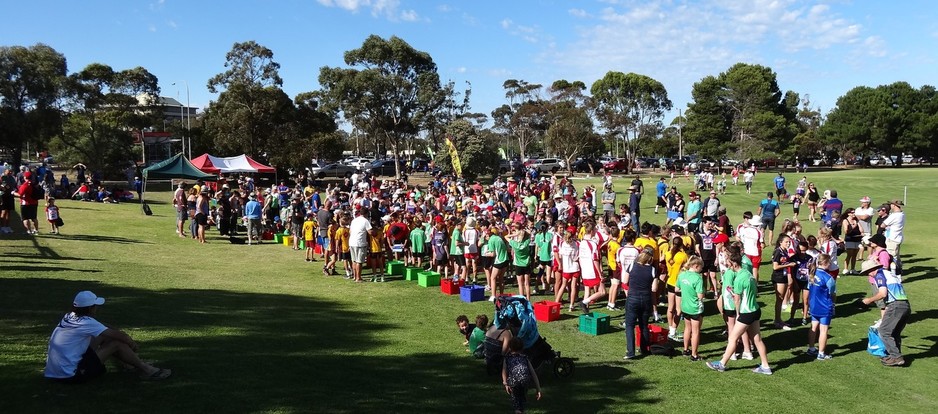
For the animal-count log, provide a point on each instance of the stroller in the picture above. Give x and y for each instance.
(516, 314)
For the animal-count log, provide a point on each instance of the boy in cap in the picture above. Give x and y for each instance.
(80, 345)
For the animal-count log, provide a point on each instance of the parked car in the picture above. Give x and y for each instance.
(584, 164)
(334, 170)
(618, 164)
(547, 164)
(730, 163)
(877, 160)
(384, 168)
(358, 162)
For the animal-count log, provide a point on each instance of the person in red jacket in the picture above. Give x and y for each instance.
(29, 205)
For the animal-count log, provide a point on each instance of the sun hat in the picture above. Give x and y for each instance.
(879, 240)
(897, 202)
(865, 200)
(87, 298)
(755, 221)
(870, 265)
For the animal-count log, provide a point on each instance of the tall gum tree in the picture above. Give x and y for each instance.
(32, 81)
(630, 106)
(387, 88)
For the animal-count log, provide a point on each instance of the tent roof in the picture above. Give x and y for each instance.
(239, 164)
(175, 167)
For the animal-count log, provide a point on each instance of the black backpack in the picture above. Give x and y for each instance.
(665, 350)
(38, 192)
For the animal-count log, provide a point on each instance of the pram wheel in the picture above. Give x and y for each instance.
(564, 367)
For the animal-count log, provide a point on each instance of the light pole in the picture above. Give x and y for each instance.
(186, 120)
(680, 134)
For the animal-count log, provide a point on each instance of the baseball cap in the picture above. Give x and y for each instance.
(865, 200)
(571, 229)
(87, 298)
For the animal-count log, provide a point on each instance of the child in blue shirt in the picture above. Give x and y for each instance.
(822, 293)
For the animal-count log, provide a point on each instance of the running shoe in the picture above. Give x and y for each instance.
(695, 358)
(747, 356)
(823, 357)
(716, 366)
(812, 352)
(762, 370)
(686, 352)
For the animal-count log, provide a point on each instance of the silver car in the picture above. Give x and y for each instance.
(333, 171)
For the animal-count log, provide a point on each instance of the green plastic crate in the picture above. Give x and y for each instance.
(395, 268)
(428, 279)
(302, 244)
(594, 323)
(410, 273)
(278, 238)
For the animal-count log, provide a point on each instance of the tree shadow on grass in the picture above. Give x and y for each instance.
(20, 269)
(99, 238)
(254, 352)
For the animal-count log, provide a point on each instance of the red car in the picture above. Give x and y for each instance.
(619, 164)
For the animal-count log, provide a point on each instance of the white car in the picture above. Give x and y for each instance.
(358, 162)
(548, 164)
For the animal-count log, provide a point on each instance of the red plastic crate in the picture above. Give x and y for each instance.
(546, 311)
(449, 287)
(656, 334)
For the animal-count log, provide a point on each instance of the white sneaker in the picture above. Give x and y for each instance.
(492, 298)
(733, 357)
(747, 356)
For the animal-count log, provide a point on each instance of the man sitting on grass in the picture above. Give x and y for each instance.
(80, 345)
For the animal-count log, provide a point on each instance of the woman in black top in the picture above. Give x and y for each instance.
(642, 280)
(853, 235)
(813, 199)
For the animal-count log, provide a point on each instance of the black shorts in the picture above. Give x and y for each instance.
(502, 265)
(768, 223)
(696, 317)
(459, 259)
(710, 265)
(89, 367)
(28, 212)
(418, 255)
(802, 284)
(749, 318)
(545, 263)
(346, 256)
(522, 270)
(614, 273)
(7, 202)
(780, 278)
(662, 202)
(780, 191)
(441, 261)
(671, 289)
(485, 262)
(796, 209)
(201, 219)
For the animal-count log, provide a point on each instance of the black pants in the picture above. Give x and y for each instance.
(637, 312)
(519, 397)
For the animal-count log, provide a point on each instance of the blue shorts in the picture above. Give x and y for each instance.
(823, 320)
(323, 241)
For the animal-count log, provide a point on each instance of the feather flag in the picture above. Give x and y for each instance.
(454, 157)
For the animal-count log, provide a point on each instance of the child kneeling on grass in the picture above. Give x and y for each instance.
(518, 375)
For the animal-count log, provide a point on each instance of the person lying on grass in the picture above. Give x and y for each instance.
(80, 345)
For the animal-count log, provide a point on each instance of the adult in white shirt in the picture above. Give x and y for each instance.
(358, 241)
(894, 225)
(80, 345)
(750, 235)
(747, 178)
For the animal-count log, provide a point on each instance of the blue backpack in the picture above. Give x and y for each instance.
(875, 347)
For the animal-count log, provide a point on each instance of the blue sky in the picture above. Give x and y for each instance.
(818, 48)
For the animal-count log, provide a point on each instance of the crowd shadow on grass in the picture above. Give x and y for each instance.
(19, 269)
(930, 350)
(100, 238)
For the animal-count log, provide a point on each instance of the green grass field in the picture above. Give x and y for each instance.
(257, 329)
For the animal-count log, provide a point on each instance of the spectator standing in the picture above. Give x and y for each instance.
(890, 290)
(358, 242)
(252, 212)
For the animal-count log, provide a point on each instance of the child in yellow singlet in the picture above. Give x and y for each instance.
(376, 257)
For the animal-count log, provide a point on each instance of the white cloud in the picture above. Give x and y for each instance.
(151, 27)
(409, 16)
(531, 34)
(172, 24)
(685, 39)
(378, 8)
(578, 13)
(461, 69)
